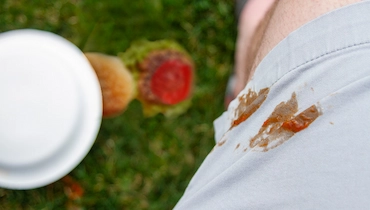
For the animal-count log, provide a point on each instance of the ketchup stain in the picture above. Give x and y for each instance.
(282, 124)
(221, 143)
(301, 121)
(248, 104)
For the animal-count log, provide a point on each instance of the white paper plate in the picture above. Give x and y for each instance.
(50, 108)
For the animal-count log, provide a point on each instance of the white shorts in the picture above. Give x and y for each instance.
(298, 135)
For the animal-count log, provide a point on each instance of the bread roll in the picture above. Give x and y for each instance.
(117, 83)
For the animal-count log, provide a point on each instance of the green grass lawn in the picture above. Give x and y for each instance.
(136, 162)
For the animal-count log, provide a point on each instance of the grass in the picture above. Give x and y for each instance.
(136, 162)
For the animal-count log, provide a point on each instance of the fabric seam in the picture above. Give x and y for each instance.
(320, 56)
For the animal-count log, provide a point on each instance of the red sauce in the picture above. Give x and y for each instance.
(248, 104)
(166, 77)
(266, 123)
(241, 119)
(221, 143)
(301, 121)
(281, 125)
(172, 81)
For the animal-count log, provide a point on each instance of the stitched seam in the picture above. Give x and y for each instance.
(323, 55)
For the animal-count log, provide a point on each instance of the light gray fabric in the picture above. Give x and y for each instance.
(326, 166)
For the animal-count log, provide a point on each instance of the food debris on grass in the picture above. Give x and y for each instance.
(115, 80)
(159, 74)
(164, 74)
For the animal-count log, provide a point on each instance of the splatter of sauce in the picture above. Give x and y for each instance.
(282, 124)
(301, 121)
(72, 188)
(248, 104)
(221, 143)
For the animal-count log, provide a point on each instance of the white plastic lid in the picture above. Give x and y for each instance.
(50, 108)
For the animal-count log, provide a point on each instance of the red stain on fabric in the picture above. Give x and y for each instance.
(248, 104)
(282, 124)
(221, 143)
(301, 121)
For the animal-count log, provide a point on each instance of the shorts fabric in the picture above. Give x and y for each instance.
(325, 165)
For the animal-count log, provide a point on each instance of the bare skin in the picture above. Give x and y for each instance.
(279, 20)
(252, 14)
(288, 16)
